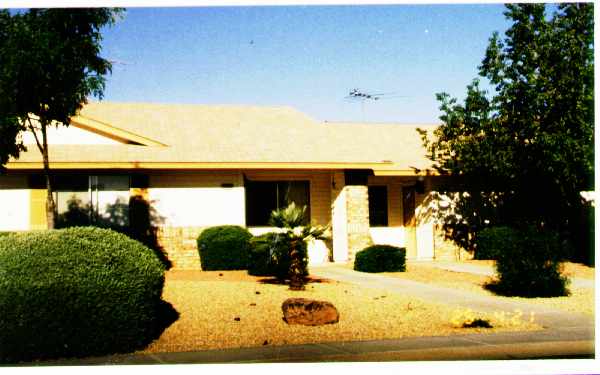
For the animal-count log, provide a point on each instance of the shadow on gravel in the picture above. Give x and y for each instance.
(166, 315)
(307, 280)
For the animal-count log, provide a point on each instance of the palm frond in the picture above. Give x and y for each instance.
(289, 217)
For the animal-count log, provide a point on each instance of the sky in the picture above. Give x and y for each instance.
(306, 57)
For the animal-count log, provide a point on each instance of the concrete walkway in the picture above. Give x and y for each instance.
(546, 316)
(485, 270)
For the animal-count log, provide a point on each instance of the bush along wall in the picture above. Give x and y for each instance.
(224, 247)
(76, 292)
(269, 256)
(528, 261)
(381, 258)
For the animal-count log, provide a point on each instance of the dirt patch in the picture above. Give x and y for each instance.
(236, 310)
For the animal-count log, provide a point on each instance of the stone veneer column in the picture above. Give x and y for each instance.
(339, 226)
(349, 218)
(357, 218)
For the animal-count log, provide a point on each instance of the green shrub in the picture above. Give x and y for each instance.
(224, 247)
(381, 258)
(259, 260)
(76, 292)
(527, 261)
(4, 234)
(269, 256)
(488, 243)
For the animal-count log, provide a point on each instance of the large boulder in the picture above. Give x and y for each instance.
(309, 312)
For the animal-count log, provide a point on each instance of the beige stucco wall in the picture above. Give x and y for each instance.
(394, 233)
(187, 203)
(320, 189)
(197, 199)
(320, 204)
(15, 208)
(422, 236)
(431, 212)
(192, 201)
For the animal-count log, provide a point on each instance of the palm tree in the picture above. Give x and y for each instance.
(291, 220)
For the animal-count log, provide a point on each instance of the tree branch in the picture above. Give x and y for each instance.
(37, 141)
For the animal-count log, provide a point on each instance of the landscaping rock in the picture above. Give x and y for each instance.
(309, 312)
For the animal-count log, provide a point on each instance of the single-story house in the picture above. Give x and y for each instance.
(201, 166)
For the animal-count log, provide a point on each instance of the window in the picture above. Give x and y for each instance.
(73, 200)
(262, 197)
(378, 206)
(92, 200)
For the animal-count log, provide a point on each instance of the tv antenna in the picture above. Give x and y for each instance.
(364, 95)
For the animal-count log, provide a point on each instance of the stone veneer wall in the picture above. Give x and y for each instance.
(179, 244)
(446, 249)
(357, 216)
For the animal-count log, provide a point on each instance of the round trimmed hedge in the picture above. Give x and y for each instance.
(381, 258)
(528, 261)
(224, 247)
(76, 292)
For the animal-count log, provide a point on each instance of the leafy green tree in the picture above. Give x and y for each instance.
(291, 220)
(524, 154)
(10, 126)
(49, 65)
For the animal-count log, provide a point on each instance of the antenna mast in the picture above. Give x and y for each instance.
(362, 95)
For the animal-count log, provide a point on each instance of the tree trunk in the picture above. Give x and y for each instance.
(50, 206)
(296, 277)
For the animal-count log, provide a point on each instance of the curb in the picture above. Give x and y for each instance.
(547, 344)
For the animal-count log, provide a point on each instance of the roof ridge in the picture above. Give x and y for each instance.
(377, 123)
(238, 105)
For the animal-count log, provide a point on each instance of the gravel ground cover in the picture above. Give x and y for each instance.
(581, 299)
(231, 309)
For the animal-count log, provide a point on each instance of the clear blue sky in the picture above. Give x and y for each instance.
(307, 57)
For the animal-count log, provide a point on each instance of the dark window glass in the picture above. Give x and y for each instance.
(378, 206)
(263, 197)
(73, 200)
(92, 200)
